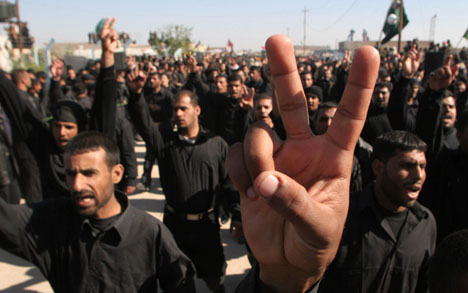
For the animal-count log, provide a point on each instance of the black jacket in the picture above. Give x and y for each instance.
(371, 259)
(134, 255)
(445, 192)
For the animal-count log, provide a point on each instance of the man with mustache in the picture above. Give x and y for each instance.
(95, 241)
(193, 177)
(449, 116)
(389, 237)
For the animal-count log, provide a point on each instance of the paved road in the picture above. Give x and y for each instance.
(17, 275)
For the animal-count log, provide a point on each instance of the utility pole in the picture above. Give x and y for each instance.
(432, 28)
(400, 26)
(20, 29)
(304, 43)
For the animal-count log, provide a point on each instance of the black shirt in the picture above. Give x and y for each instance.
(136, 254)
(371, 258)
(163, 99)
(191, 174)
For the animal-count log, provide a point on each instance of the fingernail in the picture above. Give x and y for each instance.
(251, 193)
(269, 186)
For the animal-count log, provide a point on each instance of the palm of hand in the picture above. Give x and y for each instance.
(304, 161)
(108, 36)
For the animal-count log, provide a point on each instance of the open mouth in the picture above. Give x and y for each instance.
(413, 190)
(84, 200)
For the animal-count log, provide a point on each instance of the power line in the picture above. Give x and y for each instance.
(305, 16)
(338, 20)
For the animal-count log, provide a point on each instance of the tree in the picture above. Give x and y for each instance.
(171, 38)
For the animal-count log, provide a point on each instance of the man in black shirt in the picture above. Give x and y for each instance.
(159, 101)
(389, 237)
(193, 176)
(95, 241)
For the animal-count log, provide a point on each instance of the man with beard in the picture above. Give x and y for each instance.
(95, 241)
(193, 177)
(449, 116)
(389, 237)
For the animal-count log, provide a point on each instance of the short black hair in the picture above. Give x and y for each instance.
(447, 93)
(79, 88)
(89, 141)
(449, 264)
(262, 96)
(41, 74)
(253, 68)
(462, 121)
(388, 144)
(327, 105)
(384, 84)
(193, 97)
(222, 75)
(234, 77)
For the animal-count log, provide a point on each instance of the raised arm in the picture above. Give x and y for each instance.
(139, 111)
(105, 101)
(294, 193)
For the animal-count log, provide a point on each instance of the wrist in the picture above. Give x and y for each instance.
(288, 280)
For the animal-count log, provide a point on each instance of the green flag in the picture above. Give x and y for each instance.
(392, 23)
(466, 34)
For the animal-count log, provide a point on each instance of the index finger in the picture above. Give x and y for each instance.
(448, 60)
(111, 26)
(291, 98)
(351, 114)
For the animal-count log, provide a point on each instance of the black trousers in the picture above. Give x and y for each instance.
(150, 158)
(201, 242)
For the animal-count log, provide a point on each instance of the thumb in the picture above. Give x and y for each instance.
(312, 219)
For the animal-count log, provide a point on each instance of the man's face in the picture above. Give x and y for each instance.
(63, 131)
(401, 178)
(37, 87)
(221, 84)
(213, 74)
(323, 120)
(185, 114)
(235, 89)
(307, 80)
(460, 87)
(91, 182)
(381, 96)
(449, 112)
(26, 79)
(262, 109)
(155, 81)
(255, 75)
(165, 80)
(313, 102)
(71, 74)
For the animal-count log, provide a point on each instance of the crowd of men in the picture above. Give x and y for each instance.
(294, 128)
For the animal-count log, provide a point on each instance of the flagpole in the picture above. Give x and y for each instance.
(381, 31)
(400, 26)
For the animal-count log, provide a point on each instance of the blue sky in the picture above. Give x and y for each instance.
(246, 23)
